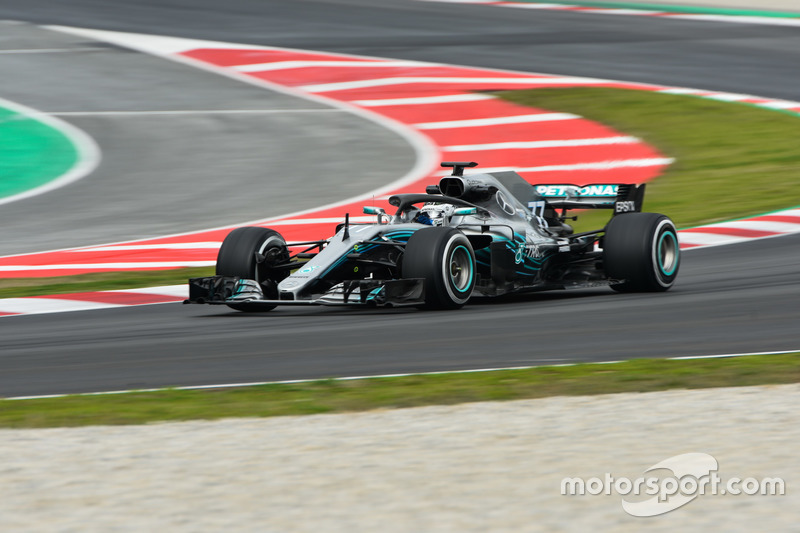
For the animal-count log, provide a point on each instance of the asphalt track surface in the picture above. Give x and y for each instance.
(729, 299)
(181, 149)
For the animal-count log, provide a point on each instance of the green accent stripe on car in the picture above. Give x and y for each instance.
(674, 238)
(471, 270)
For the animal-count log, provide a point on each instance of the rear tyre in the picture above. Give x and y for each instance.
(444, 258)
(641, 249)
(251, 253)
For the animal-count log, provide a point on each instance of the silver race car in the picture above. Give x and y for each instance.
(480, 235)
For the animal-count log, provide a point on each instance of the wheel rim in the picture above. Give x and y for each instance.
(270, 248)
(460, 268)
(668, 253)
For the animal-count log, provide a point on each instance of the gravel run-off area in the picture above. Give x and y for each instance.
(471, 467)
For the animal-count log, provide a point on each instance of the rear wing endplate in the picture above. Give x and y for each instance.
(621, 197)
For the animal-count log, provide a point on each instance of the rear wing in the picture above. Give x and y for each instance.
(621, 197)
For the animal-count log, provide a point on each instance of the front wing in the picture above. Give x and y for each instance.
(227, 290)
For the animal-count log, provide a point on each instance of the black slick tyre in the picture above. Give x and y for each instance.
(641, 250)
(251, 253)
(444, 258)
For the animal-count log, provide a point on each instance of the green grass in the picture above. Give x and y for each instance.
(732, 160)
(330, 396)
(18, 287)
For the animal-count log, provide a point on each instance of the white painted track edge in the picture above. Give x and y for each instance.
(383, 376)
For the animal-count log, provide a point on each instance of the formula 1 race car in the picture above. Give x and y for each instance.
(480, 235)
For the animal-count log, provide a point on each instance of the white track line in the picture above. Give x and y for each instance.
(208, 245)
(179, 291)
(39, 306)
(531, 145)
(113, 266)
(683, 90)
(740, 19)
(284, 65)
(104, 300)
(381, 376)
(781, 104)
(192, 112)
(424, 100)
(520, 6)
(51, 50)
(761, 225)
(495, 121)
(728, 97)
(732, 97)
(601, 11)
(403, 80)
(463, 1)
(707, 239)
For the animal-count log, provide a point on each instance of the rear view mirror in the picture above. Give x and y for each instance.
(371, 210)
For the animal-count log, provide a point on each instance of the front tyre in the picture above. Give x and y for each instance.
(641, 249)
(252, 253)
(444, 258)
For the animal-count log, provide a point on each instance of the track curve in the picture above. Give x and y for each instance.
(728, 299)
(182, 149)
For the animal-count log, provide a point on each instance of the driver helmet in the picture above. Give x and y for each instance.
(435, 214)
(410, 215)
